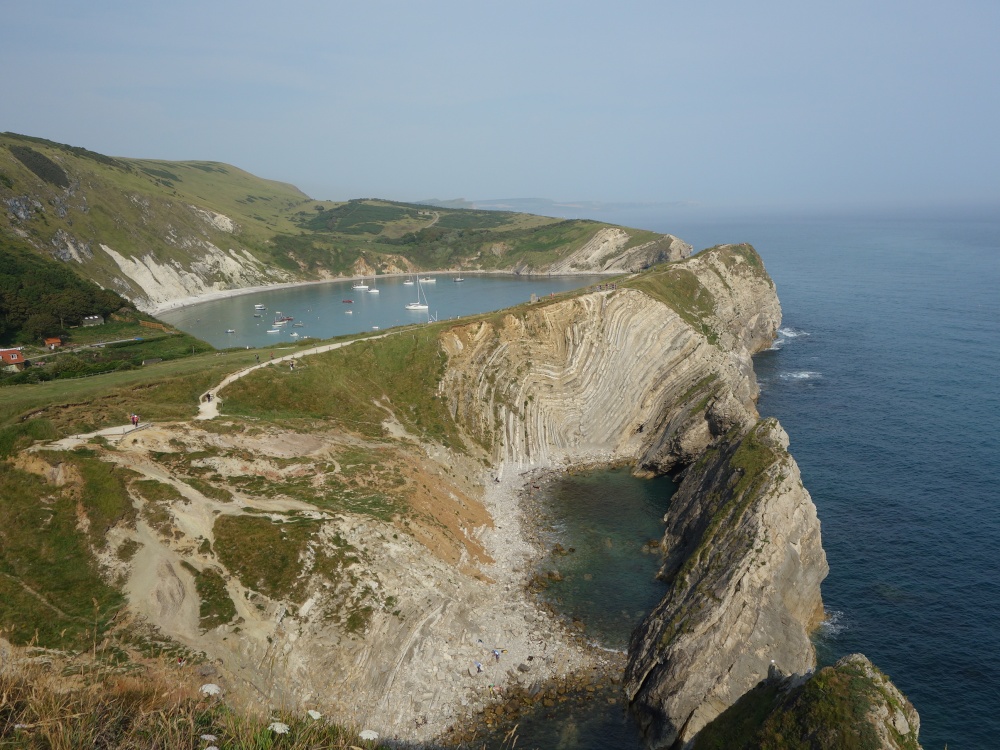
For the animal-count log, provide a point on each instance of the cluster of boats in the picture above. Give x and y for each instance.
(418, 304)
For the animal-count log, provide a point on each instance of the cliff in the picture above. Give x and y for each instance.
(659, 374)
(744, 562)
(160, 231)
(617, 374)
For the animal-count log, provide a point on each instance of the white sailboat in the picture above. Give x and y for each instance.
(374, 289)
(360, 284)
(418, 305)
(408, 282)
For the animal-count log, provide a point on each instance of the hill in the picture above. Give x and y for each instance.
(155, 231)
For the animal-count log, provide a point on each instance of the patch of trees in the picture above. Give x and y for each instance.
(41, 298)
(42, 166)
(75, 150)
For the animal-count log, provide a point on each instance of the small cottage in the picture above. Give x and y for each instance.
(93, 320)
(12, 360)
(52, 343)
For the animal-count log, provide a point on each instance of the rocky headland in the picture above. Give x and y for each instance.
(349, 558)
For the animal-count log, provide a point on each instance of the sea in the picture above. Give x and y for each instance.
(885, 376)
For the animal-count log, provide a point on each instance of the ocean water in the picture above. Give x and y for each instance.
(885, 377)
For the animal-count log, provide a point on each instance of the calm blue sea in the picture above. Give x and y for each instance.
(886, 379)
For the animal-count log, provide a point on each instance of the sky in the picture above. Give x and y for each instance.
(769, 104)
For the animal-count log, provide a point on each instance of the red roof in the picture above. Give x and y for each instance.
(56, 340)
(11, 356)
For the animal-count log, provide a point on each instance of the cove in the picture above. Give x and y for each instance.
(325, 310)
(602, 576)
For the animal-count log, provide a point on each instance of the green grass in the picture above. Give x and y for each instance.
(50, 588)
(679, 289)
(165, 391)
(216, 607)
(829, 712)
(264, 555)
(400, 371)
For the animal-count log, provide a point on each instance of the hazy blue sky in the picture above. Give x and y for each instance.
(770, 103)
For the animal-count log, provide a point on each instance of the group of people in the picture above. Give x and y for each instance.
(134, 419)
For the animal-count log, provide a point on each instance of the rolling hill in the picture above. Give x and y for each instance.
(154, 231)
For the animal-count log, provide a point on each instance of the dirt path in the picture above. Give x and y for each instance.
(208, 407)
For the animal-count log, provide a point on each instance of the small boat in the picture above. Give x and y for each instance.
(258, 315)
(375, 328)
(347, 301)
(348, 312)
(408, 282)
(274, 330)
(428, 280)
(374, 289)
(421, 301)
(230, 330)
(295, 335)
(297, 325)
(259, 307)
(283, 319)
(360, 285)
(458, 279)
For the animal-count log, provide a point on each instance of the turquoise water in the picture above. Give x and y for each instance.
(608, 581)
(320, 311)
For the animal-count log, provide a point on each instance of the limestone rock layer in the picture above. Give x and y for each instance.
(658, 373)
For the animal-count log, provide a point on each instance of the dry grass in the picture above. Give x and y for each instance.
(160, 707)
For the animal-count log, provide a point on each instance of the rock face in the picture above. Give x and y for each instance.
(849, 705)
(659, 374)
(618, 375)
(744, 561)
(607, 251)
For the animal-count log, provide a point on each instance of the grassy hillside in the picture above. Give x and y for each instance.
(157, 230)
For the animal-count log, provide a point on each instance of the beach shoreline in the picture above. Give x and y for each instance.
(243, 291)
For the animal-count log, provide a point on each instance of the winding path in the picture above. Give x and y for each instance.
(210, 409)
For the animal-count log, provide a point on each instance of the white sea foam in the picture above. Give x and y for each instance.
(833, 624)
(792, 333)
(801, 375)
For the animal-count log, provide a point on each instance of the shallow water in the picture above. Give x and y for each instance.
(608, 581)
(607, 519)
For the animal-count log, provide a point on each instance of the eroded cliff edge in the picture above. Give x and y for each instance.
(744, 561)
(659, 374)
